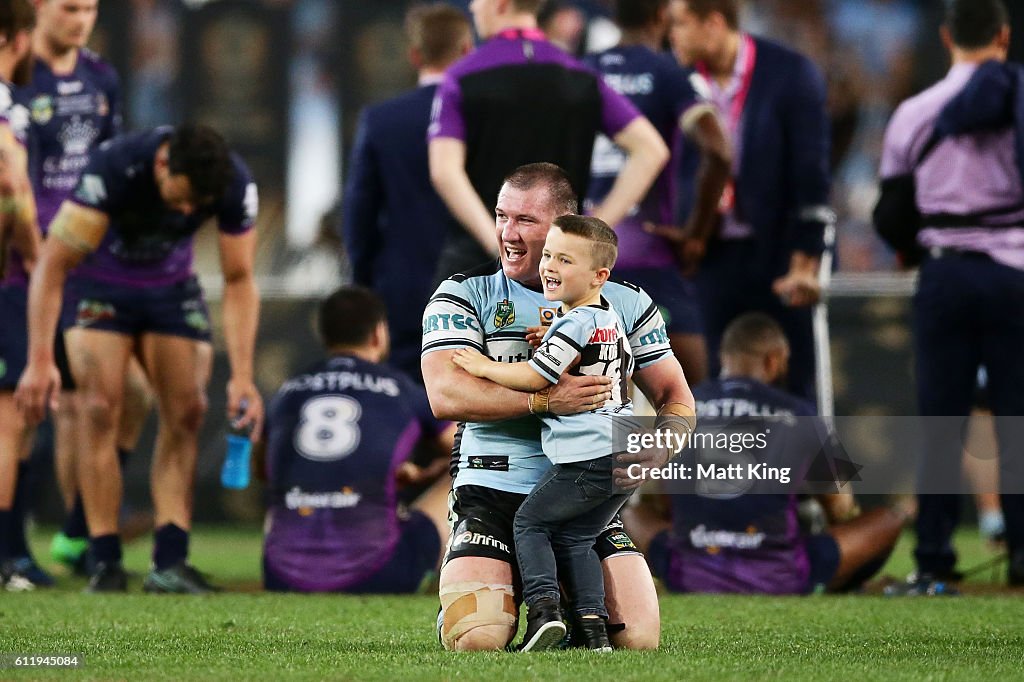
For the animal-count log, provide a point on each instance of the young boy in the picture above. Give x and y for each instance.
(575, 500)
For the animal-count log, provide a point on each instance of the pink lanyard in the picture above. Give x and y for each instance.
(747, 76)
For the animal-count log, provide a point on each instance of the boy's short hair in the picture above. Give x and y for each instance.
(604, 243)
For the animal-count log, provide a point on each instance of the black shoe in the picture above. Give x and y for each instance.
(1015, 571)
(181, 578)
(594, 634)
(109, 577)
(544, 626)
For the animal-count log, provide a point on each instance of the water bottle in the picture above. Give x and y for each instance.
(235, 472)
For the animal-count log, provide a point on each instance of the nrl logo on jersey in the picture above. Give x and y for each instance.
(42, 109)
(504, 314)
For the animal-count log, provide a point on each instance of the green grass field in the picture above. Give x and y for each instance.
(246, 635)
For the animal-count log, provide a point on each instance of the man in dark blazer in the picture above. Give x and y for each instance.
(393, 220)
(765, 254)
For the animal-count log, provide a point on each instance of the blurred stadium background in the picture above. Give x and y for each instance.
(285, 79)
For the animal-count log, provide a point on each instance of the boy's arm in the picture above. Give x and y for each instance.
(519, 376)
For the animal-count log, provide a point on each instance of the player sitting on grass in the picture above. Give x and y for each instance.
(574, 500)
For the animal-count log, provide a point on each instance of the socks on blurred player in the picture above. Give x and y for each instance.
(106, 549)
(6, 520)
(75, 525)
(170, 546)
(22, 503)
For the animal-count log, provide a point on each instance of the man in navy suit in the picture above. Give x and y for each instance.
(765, 253)
(394, 222)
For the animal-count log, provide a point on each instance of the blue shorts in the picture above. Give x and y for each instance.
(14, 340)
(173, 310)
(415, 558)
(675, 295)
(822, 555)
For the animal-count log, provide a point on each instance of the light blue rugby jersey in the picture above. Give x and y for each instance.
(485, 310)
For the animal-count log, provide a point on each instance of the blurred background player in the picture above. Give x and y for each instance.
(968, 309)
(765, 254)
(74, 102)
(339, 436)
(19, 239)
(660, 89)
(752, 543)
(394, 222)
(519, 99)
(130, 223)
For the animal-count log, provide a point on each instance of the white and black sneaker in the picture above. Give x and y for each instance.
(544, 626)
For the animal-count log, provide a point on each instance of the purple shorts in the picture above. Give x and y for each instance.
(415, 558)
(173, 310)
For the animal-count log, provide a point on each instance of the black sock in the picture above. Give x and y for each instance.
(106, 549)
(5, 533)
(22, 503)
(170, 546)
(75, 525)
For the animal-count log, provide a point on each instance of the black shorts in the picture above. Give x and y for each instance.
(481, 520)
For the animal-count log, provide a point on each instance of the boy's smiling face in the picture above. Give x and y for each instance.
(567, 269)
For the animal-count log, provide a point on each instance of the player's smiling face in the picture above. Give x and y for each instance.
(522, 219)
(567, 270)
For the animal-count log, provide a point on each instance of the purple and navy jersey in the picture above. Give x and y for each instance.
(519, 99)
(71, 114)
(335, 435)
(148, 244)
(661, 90)
(750, 542)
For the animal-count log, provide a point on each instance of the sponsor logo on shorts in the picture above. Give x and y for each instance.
(91, 312)
(547, 316)
(195, 316)
(504, 314)
(470, 538)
